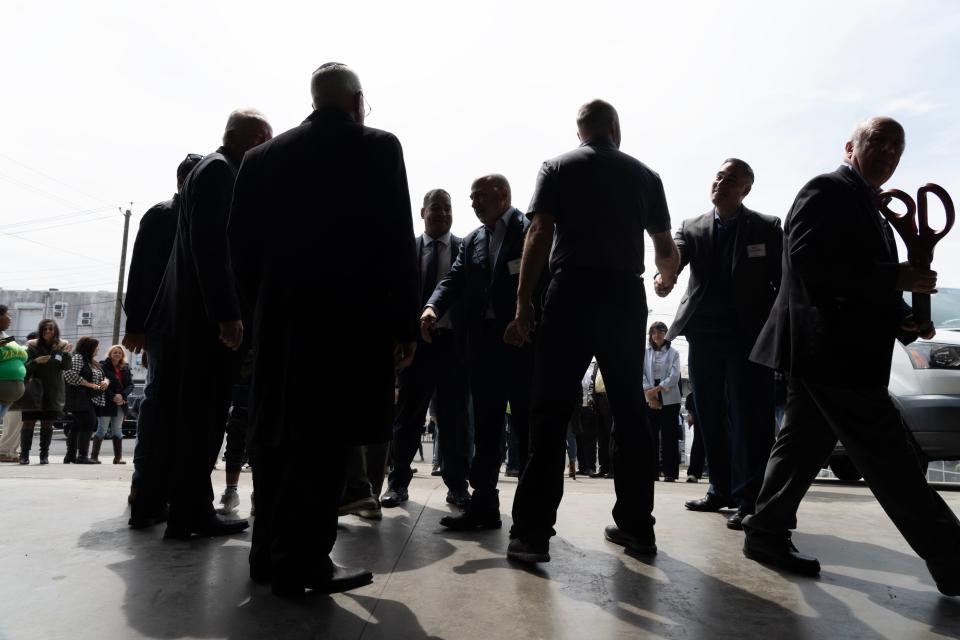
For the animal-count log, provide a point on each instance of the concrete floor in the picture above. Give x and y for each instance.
(72, 569)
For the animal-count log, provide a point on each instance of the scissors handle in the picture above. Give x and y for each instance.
(949, 213)
(904, 223)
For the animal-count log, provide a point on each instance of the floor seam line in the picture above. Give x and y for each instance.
(403, 550)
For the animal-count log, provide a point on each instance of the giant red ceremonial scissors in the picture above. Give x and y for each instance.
(914, 227)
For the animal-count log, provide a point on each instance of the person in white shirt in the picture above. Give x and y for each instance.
(661, 387)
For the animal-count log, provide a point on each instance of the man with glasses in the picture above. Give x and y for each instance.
(321, 211)
(151, 251)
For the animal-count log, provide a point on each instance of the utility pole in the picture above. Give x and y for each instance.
(123, 269)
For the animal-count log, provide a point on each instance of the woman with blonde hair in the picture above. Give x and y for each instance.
(117, 373)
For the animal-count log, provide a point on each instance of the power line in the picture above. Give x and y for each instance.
(50, 246)
(64, 224)
(43, 192)
(62, 216)
(49, 177)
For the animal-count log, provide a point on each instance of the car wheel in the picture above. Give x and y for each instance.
(844, 469)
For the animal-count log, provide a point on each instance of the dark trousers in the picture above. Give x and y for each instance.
(78, 438)
(664, 425)
(587, 442)
(365, 468)
(695, 468)
(235, 453)
(585, 314)
(297, 505)
(500, 373)
(435, 368)
(151, 455)
(874, 436)
(198, 406)
(601, 405)
(734, 399)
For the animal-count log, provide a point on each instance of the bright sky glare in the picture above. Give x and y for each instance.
(103, 99)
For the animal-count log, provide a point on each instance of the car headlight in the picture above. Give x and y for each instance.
(933, 355)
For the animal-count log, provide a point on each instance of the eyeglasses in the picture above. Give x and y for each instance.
(367, 109)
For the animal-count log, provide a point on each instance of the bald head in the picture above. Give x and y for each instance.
(246, 128)
(598, 119)
(490, 197)
(337, 85)
(874, 149)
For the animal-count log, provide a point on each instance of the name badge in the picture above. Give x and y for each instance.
(514, 266)
(756, 250)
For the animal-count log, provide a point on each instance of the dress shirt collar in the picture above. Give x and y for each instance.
(729, 221)
(852, 169)
(505, 219)
(444, 240)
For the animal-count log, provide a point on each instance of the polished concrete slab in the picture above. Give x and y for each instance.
(72, 569)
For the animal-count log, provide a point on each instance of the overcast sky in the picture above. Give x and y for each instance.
(102, 100)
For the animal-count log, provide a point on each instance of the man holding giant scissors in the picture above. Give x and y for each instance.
(841, 273)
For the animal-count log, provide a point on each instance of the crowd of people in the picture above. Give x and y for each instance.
(541, 314)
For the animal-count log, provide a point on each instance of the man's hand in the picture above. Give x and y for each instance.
(910, 278)
(521, 327)
(231, 333)
(428, 323)
(403, 353)
(660, 287)
(910, 326)
(134, 342)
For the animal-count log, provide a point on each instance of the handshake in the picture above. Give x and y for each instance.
(662, 286)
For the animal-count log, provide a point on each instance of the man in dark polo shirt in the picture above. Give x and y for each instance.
(596, 202)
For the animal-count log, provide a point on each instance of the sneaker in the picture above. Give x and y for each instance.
(24, 459)
(229, 502)
(528, 552)
(354, 501)
(645, 544)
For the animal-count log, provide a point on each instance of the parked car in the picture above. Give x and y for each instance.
(925, 386)
(129, 427)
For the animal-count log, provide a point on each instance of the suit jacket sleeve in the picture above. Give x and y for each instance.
(451, 286)
(149, 258)
(244, 236)
(680, 238)
(775, 255)
(404, 294)
(208, 242)
(817, 248)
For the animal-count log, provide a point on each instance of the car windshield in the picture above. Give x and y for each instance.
(945, 307)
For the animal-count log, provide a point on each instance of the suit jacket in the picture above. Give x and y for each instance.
(151, 252)
(755, 279)
(455, 244)
(198, 289)
(321, 238)
(474, 283)
(837, 313)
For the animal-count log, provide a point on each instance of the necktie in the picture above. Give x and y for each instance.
(430, 278)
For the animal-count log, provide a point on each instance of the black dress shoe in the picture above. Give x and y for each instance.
(393, 498)
(336, 580)
(145, 522)
(708, 503)
(469, 521)
(528, 552)
(214, 526)
(458, 499)
(735, 521)
(646, 544)
(946, 573)
(778, 551)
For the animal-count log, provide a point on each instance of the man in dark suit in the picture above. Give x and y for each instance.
(197, 311)
(299, 205)
(841, 274)
(589, 214)
(483, 282)
(151, 252)
(437, 368)
(734, 258)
